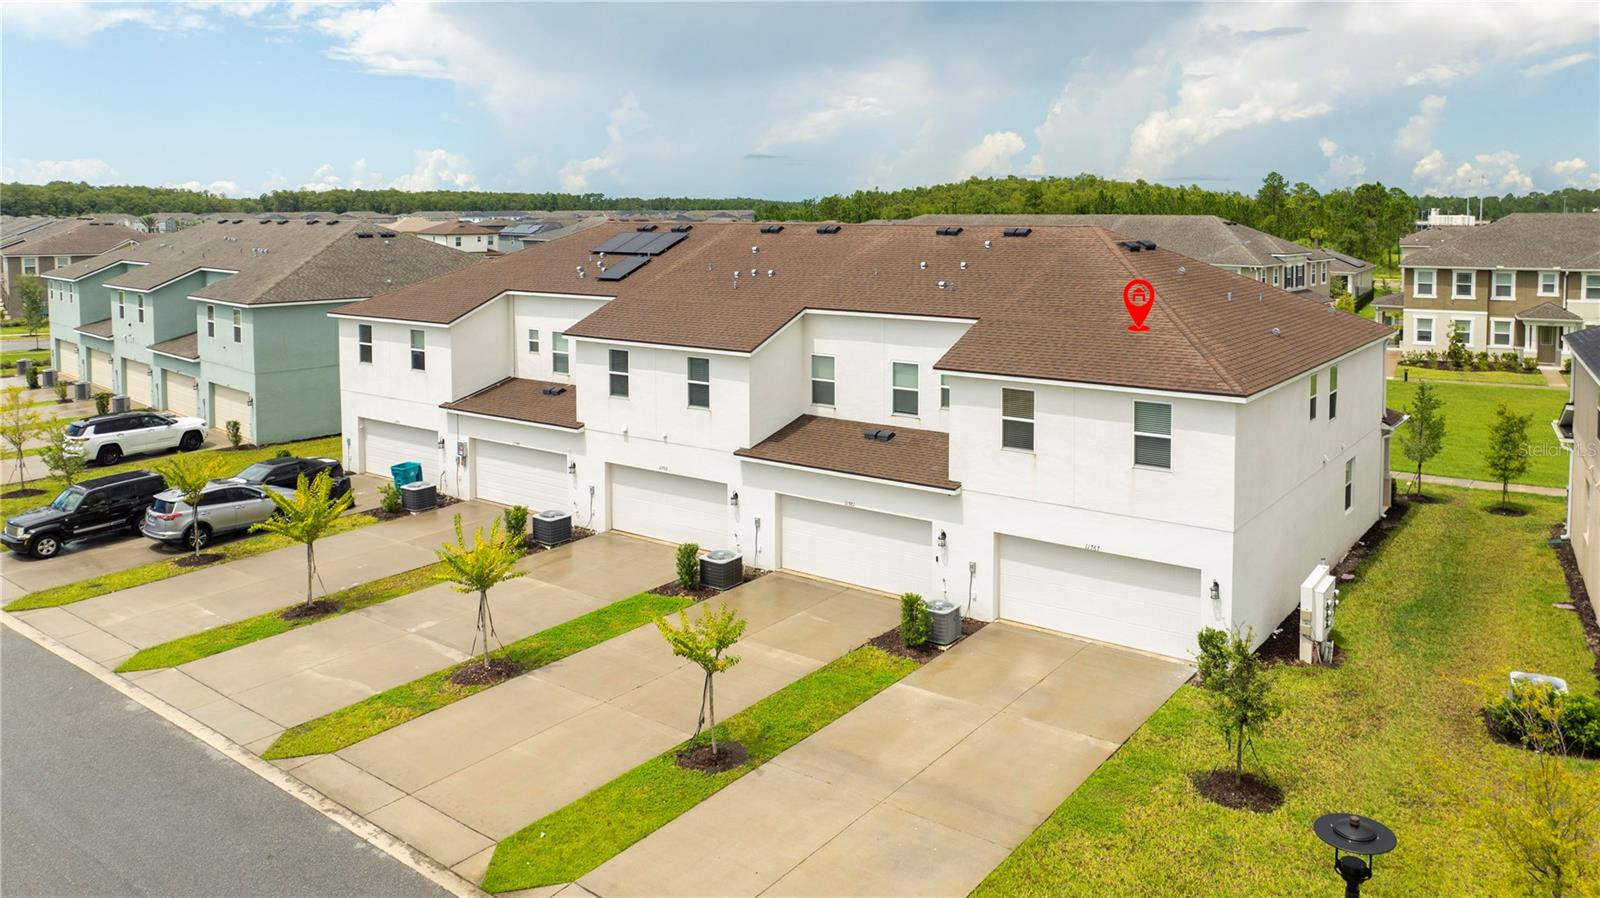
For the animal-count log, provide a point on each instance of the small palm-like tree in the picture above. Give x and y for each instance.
(307, 517)
(479, 566)
(703, 642)
(18, 425)
(189, 474)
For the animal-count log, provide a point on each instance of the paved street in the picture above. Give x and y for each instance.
(102, 797)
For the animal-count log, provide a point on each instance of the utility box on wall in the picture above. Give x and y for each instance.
(1318, 600)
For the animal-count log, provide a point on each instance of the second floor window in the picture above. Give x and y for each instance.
(30, 264)
(1591, 286)
(1549, 284)
(822, 385)
(1349, 482)
(1152, 434)
(1016, 419)
(1465, 282)
(944, 391)
(1333, 392)
(558, 352)
(63, 261)
(1313, 397)
(364, 343)
(533, 340)
(122, 304)
(419, 351)
(904, 388)
(211, 321)
(238, 326)
(699, 383)
(1422, 283)
(619, 372)
(140, 310)
(1505, 284)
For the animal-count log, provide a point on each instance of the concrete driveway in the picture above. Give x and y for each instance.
(921, 790)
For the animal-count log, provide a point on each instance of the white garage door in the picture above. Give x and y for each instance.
(69, 360)
(136, 382)
(228, 404)
(852, 545)
(385, 444)
(180, 393)
(1113, 598)
(517, 475)
(669, 507)
(100, 370)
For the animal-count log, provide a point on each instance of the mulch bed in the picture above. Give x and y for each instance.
(444, 502)
(476, 673)
(1508, 511)
(1575, 588)
(313, 609)
(200, 560)
(21, 494)
(1248, 792)
(729, 755)
(533, 548)
(240, 448)
(890, 642)
(673, 588)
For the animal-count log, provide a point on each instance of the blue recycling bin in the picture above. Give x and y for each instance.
(406, 472)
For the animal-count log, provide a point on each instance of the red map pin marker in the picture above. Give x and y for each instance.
(1139, 296)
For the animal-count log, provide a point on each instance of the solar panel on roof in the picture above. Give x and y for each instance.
(646, 244)
(623, 267)
(662, 243)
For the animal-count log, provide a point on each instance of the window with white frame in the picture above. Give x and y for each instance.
(1423, 282)
(1500, 332)
(944, 391)
(1152, 434)
(122, 305)
(1276, 274)
(533, 340)
(1464, 283)
(140, 310)
(1424, 332)
(1549, 283)
(1349, 482)
(558, 352)
(1333, 392)
(699, 383)
(1591, 285)
(419, 351)
(238, 326)
(364, 343)
(1313, 416)
(904, 387)
(618, 366)
(822, 384)
(30, 264)
(211, 321)
(1462, 326)
(63, 261)
(1016, 419)
(1505, 285)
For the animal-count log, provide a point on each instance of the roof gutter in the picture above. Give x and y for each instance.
(558, 427)
(937, 490)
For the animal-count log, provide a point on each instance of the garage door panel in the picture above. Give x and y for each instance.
(853, 545)
(517, 475)
(180, 393)
(100, 370)
(1129, 601)
(229, 404)
(136, 382)
(70, 366)
(384, 445)
(669, 507)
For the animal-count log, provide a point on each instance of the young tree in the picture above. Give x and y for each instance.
(1457, 353)
(1423, 436)
(1507, 452)
(703, 642)
(307, 517)
(688, 564)
(188, 473)
(18, 425)
(478, 567)
(1236, 682)
(65, 466)
(34, 312)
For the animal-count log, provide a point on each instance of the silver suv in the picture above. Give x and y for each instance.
(224, 508)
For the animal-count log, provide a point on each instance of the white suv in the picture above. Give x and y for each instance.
(105, 439)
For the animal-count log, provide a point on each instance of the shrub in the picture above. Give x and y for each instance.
(235, 435)
(689, 566)
(102, 403)
(1236, 682)
(1539, 717)
(282, 453)
(1510, 361)
(61, 389)
(389, 500)
(516, 523)
(32, 377)
(1530, 364)
(913, 620)
(1566, 366)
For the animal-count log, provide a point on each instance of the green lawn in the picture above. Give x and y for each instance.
(574, 840)
(392, 707)
(1525, 378)
(241, 458)
(230, 636)
(1469, 411)
(9, 358)
(1455, 600)
(166, 568)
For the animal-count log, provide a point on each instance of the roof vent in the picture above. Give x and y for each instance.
(923, 265)
(682, 229)
(553, 391)
(1132, 246)
(828, 229)
(754, 250)
(1017, 232)
(963, 266)
(1229, 221)
(387, 234)
(282, 221)
(313, 221)
(646, 228)
(771, 229)
(1275, 332)
(948, 231)
(332, 221)
(364, 235)
(1146, 244)
(263, 221)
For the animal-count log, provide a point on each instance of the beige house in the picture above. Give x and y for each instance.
(56, 244)
(1579, 431)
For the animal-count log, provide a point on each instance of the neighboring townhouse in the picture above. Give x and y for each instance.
(958, 412)
(1354, 275)
(1579, 431)
(56, 244)
(529, 233)
(1216, 241)
(228, 319)
(1515, 285)
(461, 235)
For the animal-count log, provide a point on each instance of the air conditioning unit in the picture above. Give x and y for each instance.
(47, 377)
(721, 569)
(552, 528)
(419, 496)
(944, 622)
(1318, 600)
(80, 390)
(119, 404)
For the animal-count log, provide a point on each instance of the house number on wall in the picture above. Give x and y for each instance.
(1091, 547)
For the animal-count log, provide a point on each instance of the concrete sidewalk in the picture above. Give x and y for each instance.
(1410, 477)
(923, 789)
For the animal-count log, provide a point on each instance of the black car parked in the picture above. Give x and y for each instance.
(103, 505)
(282, 474)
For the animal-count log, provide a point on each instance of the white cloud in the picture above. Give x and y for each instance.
(67, 21)
(1346, 169)
(93, 171)
(1327, 147)
(817, 111)
(1574, 172)
(437, 170)
(992, 156)
(1428, 167)
(220, 188)
(1487, 173)
(1416, 135)
(576, 173)
(1550, 67)
(1568, 166)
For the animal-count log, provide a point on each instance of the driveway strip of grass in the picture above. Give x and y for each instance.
(408, 701)
(231, 636)
(570, 842)
(155, 571)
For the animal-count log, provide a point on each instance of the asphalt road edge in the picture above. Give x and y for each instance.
(372, 834)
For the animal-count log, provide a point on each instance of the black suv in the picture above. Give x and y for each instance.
(282, 474)
(103, 505)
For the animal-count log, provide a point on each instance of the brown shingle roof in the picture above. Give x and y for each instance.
(184, 347)
(1520, 240)
(1046, 306)
(101, 328)
(521, 399)
(919, 457)
(1547, 311)
(79, 238)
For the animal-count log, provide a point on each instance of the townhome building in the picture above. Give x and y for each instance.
(227, 320)
(1214, 240)
(1578, 430)
(1515, 285)
(962, 412)
(47, 245)
(465, 236)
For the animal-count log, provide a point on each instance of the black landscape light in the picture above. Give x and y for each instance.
(1352, 835)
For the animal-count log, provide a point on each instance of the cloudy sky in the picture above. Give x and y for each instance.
(794, 100)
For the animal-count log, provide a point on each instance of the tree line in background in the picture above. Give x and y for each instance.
(1364, 221)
